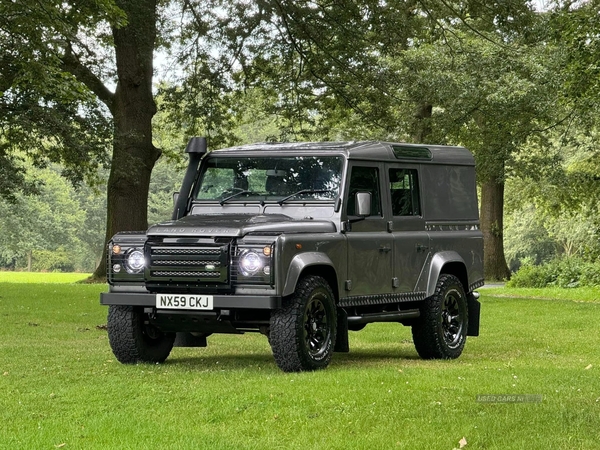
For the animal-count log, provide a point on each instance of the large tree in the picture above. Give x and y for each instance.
(68, 65)
(132, 107)
(493, 98)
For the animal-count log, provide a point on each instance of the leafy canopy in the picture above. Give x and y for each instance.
(45, 112)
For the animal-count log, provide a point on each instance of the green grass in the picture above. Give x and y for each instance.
(37, 277)
(582, 294)
(60, 386)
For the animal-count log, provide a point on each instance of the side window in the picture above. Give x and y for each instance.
(364, 179)
(404, 190)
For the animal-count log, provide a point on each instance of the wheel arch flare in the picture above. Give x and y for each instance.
(310, 263)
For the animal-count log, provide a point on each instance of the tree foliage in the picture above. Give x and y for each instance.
(46, 113)
(47, 221)
(574, 26)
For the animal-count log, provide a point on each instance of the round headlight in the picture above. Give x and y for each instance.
(250, 263)
(135, 261)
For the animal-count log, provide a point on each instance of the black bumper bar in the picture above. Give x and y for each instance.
(219, 301)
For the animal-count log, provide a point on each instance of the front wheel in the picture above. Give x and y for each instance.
(441, 331)
(302, 333)
(134, 339)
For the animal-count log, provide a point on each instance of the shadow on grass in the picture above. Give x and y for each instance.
(222, 361)
(251, 361)
(372, 358)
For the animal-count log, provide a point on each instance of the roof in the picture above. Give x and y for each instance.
(363, 150)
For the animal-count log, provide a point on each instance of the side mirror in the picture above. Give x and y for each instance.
(175, 197)
(363, 204)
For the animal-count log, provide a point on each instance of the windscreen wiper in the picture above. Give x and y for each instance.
(303, 191)
(222, 202)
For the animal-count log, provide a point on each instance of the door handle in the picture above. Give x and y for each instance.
(385, 248)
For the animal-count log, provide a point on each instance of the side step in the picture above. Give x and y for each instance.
(397, 316)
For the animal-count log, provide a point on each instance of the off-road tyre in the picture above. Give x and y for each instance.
(303, 332)
(133, 339)
(441, 331)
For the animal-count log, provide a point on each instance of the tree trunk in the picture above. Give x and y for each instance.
(422, 124)
(492, 225)
(134, 155)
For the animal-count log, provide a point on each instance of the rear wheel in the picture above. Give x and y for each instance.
(302, 333)
(134, 339)
(441, 331)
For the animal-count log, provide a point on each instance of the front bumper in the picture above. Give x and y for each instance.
(219, 301)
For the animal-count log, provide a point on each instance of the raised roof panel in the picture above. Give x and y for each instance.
(368, 150)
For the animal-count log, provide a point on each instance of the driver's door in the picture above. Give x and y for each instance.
(370, 251)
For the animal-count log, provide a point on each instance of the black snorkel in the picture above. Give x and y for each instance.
(196, 149)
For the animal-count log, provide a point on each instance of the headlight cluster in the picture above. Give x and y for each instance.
(126, 261)
(254, 265)
(132, 260)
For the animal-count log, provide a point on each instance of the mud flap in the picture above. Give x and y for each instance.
(341, 340)
(474, 308)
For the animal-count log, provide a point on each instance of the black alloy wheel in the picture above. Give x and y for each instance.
(441, 331)
(302, 333)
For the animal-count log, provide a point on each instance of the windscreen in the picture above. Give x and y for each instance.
(287, 179)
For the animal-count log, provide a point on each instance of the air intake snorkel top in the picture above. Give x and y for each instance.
(196, 149)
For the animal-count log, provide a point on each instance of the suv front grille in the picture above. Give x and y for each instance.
(176, 267)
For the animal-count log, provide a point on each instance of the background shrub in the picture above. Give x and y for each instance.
(52, 261)
(560, 272)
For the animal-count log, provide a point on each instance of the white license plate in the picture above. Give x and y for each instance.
(184, 301)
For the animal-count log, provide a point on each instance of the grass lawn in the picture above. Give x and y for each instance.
(44, 278)
(61, 387)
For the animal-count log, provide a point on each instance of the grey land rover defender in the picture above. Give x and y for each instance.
(304, 242)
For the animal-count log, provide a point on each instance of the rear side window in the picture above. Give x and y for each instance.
(404, 190)
(451, 193)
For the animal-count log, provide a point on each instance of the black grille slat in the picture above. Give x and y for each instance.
(186, 274)
(186, 251)
(184, 263)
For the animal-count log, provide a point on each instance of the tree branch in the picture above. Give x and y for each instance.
(71, 64)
